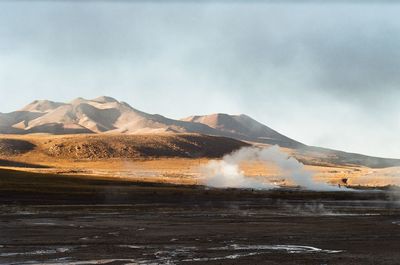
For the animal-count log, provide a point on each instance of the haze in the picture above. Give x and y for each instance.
(323, 74)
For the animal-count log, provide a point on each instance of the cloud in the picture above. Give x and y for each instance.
(303, 69)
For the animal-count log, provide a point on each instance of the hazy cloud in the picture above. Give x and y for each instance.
(325, 74)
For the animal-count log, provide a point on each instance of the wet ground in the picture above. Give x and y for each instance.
(136, 223)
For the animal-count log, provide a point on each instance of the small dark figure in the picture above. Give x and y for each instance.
(344, 181)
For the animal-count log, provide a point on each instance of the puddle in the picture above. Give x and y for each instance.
(176, 254)
(23, 213)
(36, 252)
(89, 262)
(252, 250)
(50, 224)
(288, 248)
(134, 246)
(89, 238)
(354, 214)
(234, 256)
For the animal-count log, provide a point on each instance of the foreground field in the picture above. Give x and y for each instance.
(56, 219)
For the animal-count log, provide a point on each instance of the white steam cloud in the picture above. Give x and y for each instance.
(226, 173)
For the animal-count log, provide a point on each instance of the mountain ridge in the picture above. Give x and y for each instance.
(244, 128)
(106, 115)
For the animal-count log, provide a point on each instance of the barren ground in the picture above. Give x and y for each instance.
(56, 209)
(55, 219)
(171, 158)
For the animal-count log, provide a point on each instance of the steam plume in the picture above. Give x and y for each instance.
(227, 173)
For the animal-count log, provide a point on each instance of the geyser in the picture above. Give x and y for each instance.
(226, 173)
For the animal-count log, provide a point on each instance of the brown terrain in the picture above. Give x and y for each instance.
(166, 157)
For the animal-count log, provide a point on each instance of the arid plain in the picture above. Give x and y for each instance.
(164, 158)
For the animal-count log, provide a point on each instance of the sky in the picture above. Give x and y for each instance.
(326, 73)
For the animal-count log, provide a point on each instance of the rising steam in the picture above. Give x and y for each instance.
(226, 173)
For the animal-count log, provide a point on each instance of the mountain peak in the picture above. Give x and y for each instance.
(243, 127)
(41, 106)
(105, 99)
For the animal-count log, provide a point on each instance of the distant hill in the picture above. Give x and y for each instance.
(106, 146)
(244, 128)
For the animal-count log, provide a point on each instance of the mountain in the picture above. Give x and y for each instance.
(99, 115)
(244, 128)
(106, 115)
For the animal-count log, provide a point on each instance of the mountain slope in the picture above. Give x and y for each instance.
(109, 146)
(42, 106)
(244, 128)
(100, 115)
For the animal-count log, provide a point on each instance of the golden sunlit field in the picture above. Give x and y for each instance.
(147, 160)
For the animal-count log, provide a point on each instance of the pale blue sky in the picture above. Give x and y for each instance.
(323, 74)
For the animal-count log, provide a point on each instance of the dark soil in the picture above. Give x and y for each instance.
(75, 220)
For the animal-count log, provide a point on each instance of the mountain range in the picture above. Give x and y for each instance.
(106, 115)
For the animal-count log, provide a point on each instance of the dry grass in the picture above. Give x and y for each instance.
(156, 168)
